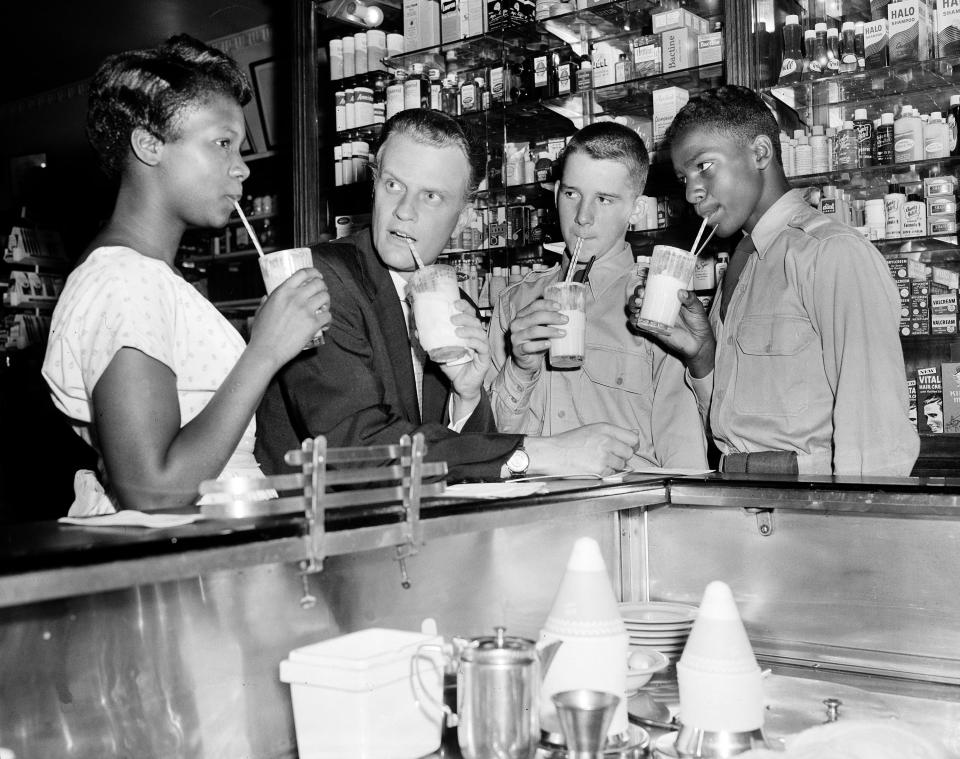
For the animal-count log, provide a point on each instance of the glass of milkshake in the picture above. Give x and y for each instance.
(671, 269)
(434, 292)
(567, 352)
(277, 267)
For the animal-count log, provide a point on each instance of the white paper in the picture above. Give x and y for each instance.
(131, 518)
(495, 489)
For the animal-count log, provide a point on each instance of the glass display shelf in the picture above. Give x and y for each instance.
(858, 177)
(935, 79)
(936, 249)
(366, 132)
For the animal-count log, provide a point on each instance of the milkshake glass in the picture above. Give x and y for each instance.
(670, 270)
(434, 292)
(567, 352)
(278, 266)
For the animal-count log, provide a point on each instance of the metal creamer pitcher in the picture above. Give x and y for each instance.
(498, 692)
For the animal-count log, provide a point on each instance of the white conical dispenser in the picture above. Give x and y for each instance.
(721, 694)
(586, 619)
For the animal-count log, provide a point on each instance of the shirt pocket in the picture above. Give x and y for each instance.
(617, 369)
(774, 365)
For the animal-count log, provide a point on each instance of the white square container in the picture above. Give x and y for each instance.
(353, 696)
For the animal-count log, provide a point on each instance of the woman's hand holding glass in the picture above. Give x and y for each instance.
(291, 315)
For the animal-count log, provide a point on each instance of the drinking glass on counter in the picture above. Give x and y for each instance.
(567, 352)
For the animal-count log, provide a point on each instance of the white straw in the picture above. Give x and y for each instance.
(413, 252)
(703, 226)
(707, 240)
(253, 236)
(573, 259)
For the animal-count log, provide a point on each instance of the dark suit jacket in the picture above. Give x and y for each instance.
(359, 388)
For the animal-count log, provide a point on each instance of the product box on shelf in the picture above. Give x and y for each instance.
(677, 18)
(912, 399)
(950, 372)
(943, 324)
(421, 24)
(501, 15)
(667, 102)
(710, 48)
(945, 185)
(678, 49)
(947, 25)
(929, 399)
(947, 277)
(876, 44)
(943, 303)
(911, 35)
(646, 55)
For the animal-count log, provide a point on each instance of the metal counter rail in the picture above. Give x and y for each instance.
(443, 517)
(906, 497)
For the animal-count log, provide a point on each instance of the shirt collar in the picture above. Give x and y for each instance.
(775, 219)
(609, 268)
(400, 284)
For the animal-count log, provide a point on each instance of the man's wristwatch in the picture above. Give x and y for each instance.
(519, 461)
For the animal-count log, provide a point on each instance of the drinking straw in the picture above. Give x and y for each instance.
(707, 240)
(703, 226)
(253, 236)
(416, 256)
(573, 260)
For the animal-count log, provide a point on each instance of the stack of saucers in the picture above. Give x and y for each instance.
(661, 625)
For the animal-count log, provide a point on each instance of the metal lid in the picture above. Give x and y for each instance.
(499, 649)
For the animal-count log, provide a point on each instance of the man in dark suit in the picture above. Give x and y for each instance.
(362, 386)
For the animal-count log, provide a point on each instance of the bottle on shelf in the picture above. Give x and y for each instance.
(804, 155)
(585, 74)
(450, 97)
(884, 140)
(859, 45)
(864, 130)
(953, 120)
(848, 48)
(811, 64)
(821, 59)
(908, 136)
(847, 152)
(833, 51)
(935, 137)
(436, 89)
(792, 65)
(395, 93)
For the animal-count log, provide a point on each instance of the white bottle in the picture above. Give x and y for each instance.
(787, 155)
(804, 156)
(935, 137)
(818, 150)
(907, 136)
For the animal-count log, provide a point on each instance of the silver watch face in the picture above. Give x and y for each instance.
(518, 462)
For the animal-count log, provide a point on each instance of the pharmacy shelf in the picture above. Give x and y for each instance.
(861, 177)
(925, 82)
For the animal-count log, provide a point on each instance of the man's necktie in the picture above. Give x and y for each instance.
(417, 354)
(734, 269)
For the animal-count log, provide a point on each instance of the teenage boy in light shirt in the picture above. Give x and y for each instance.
(799, 365)
(625, 378)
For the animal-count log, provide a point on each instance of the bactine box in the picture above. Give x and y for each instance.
(679, 49)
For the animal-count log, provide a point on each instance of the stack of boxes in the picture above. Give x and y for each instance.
(928, 297)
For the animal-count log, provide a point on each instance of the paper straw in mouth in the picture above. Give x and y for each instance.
(253, 236)
(703, 226)
(413, 252)
(698, 252)
(573, 259)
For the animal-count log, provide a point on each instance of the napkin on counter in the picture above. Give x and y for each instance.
(495, 489)
(92, 507)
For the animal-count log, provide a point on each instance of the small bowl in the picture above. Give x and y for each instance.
(642, 664)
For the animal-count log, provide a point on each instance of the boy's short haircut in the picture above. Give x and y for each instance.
(731, 109)
(609, 141)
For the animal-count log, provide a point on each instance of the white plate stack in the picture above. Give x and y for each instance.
(661, 625)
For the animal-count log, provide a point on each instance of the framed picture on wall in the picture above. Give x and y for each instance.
(264, 75)
(247, 147)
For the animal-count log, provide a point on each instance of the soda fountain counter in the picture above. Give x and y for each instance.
(167, 643)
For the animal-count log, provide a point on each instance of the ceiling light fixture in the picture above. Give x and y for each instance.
(354, 12)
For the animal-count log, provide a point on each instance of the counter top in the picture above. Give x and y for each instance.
(62, 560)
